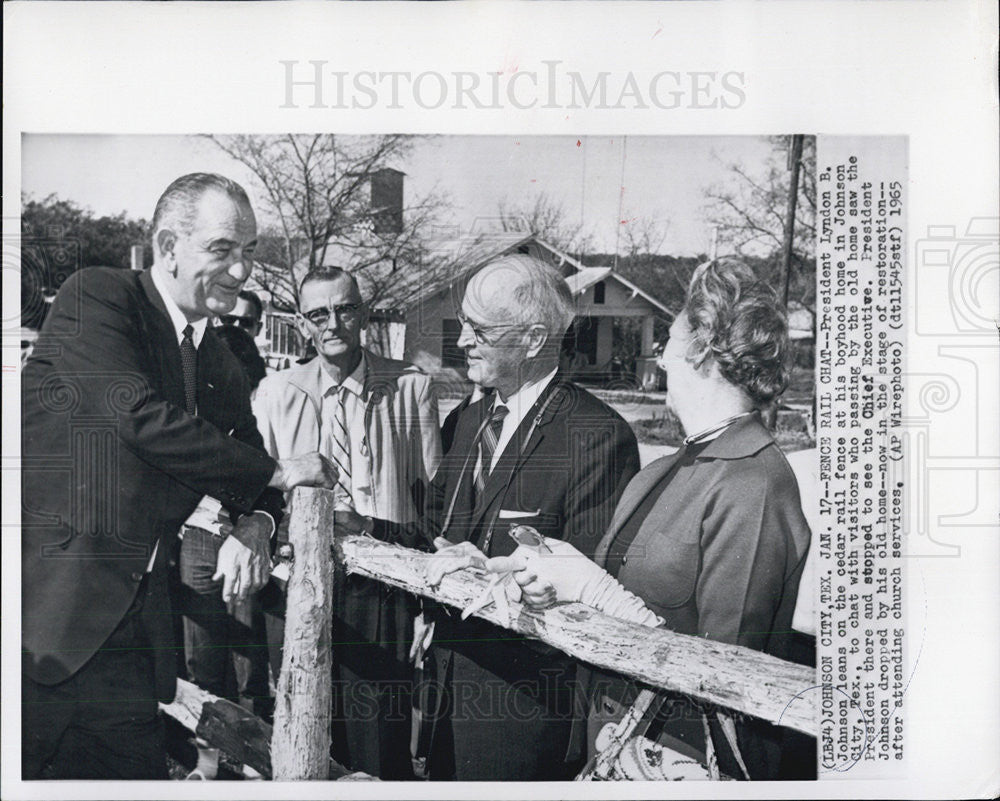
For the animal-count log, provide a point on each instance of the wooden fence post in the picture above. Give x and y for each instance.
(300, 745)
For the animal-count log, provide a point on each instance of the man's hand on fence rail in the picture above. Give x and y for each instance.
(348, 521)
(308, 470)
(450, 557)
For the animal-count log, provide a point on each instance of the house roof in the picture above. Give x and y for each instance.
(457, 257)
(453, 259)
(580, 281)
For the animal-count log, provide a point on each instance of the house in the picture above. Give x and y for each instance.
(417, 315)
(413, 305)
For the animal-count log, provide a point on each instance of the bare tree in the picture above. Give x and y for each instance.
(644, 236)
(549, 220)
(317, 209)
(750, 210)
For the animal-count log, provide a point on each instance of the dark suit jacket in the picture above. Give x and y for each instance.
(564, 480)
(112, 463)
(720, 556)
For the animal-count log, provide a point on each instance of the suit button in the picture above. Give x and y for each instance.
(137, 577)
(624, 560)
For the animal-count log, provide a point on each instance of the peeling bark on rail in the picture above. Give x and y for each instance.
(739, 678)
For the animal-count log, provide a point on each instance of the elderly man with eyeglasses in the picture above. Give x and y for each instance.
(377, 419)
(534, 450)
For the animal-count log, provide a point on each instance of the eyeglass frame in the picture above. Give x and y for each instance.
(346, 312)
(248, 322)
(479, 331)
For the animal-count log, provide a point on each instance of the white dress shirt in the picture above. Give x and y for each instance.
(354, 412)
(519, 404)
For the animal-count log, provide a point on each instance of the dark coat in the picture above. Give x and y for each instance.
(564, 480)
(113, 464)
(720, 556)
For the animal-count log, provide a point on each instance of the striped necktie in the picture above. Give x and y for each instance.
(189, 363)
(488, 445)
(340, 441)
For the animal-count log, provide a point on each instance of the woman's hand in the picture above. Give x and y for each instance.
(560, 575)
(566, 575)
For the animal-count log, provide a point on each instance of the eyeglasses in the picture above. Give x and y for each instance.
(346, 312)
(248, 322)
(479, 331)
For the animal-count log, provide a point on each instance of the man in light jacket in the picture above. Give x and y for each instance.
(378, 419)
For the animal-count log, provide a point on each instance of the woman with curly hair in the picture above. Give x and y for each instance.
(711, 538)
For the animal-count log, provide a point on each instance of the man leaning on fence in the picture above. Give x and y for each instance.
(376, 418)
(131, 412)
(536, 450)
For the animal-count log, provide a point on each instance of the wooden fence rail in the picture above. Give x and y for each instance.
(229, 727)
(730, 676)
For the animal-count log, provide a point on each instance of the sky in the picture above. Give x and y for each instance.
(591, 178)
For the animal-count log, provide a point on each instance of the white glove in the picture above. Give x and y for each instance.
(566, 575)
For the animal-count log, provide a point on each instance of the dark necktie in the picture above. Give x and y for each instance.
(189, 362)
(488, 445)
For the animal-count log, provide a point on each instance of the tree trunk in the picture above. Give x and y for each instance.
(300, 747)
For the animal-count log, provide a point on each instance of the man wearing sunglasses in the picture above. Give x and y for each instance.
(246, 314)
(534, 450)
(377, 418)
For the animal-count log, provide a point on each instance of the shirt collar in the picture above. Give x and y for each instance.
(355, 382)
(520, 402)
(177, 317)
(743, 438)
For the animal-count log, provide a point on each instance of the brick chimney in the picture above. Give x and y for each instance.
(387, 200)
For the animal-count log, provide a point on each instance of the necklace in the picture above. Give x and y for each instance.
(703, 435)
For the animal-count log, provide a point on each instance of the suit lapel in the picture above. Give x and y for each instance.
(461, 463)
(635, 493)
(163, 342)
(514, 454)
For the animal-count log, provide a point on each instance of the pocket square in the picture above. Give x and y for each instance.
(514, 514)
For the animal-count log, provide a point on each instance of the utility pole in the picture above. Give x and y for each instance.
(794, 162)
(621, 199)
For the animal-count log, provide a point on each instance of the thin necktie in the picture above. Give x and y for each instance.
(488, 445)
(340, 442)
(189, 362)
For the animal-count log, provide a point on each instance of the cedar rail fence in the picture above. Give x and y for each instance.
(298, 746)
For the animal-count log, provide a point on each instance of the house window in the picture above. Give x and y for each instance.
(283, 337)
(451, 355)
(599, 292)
